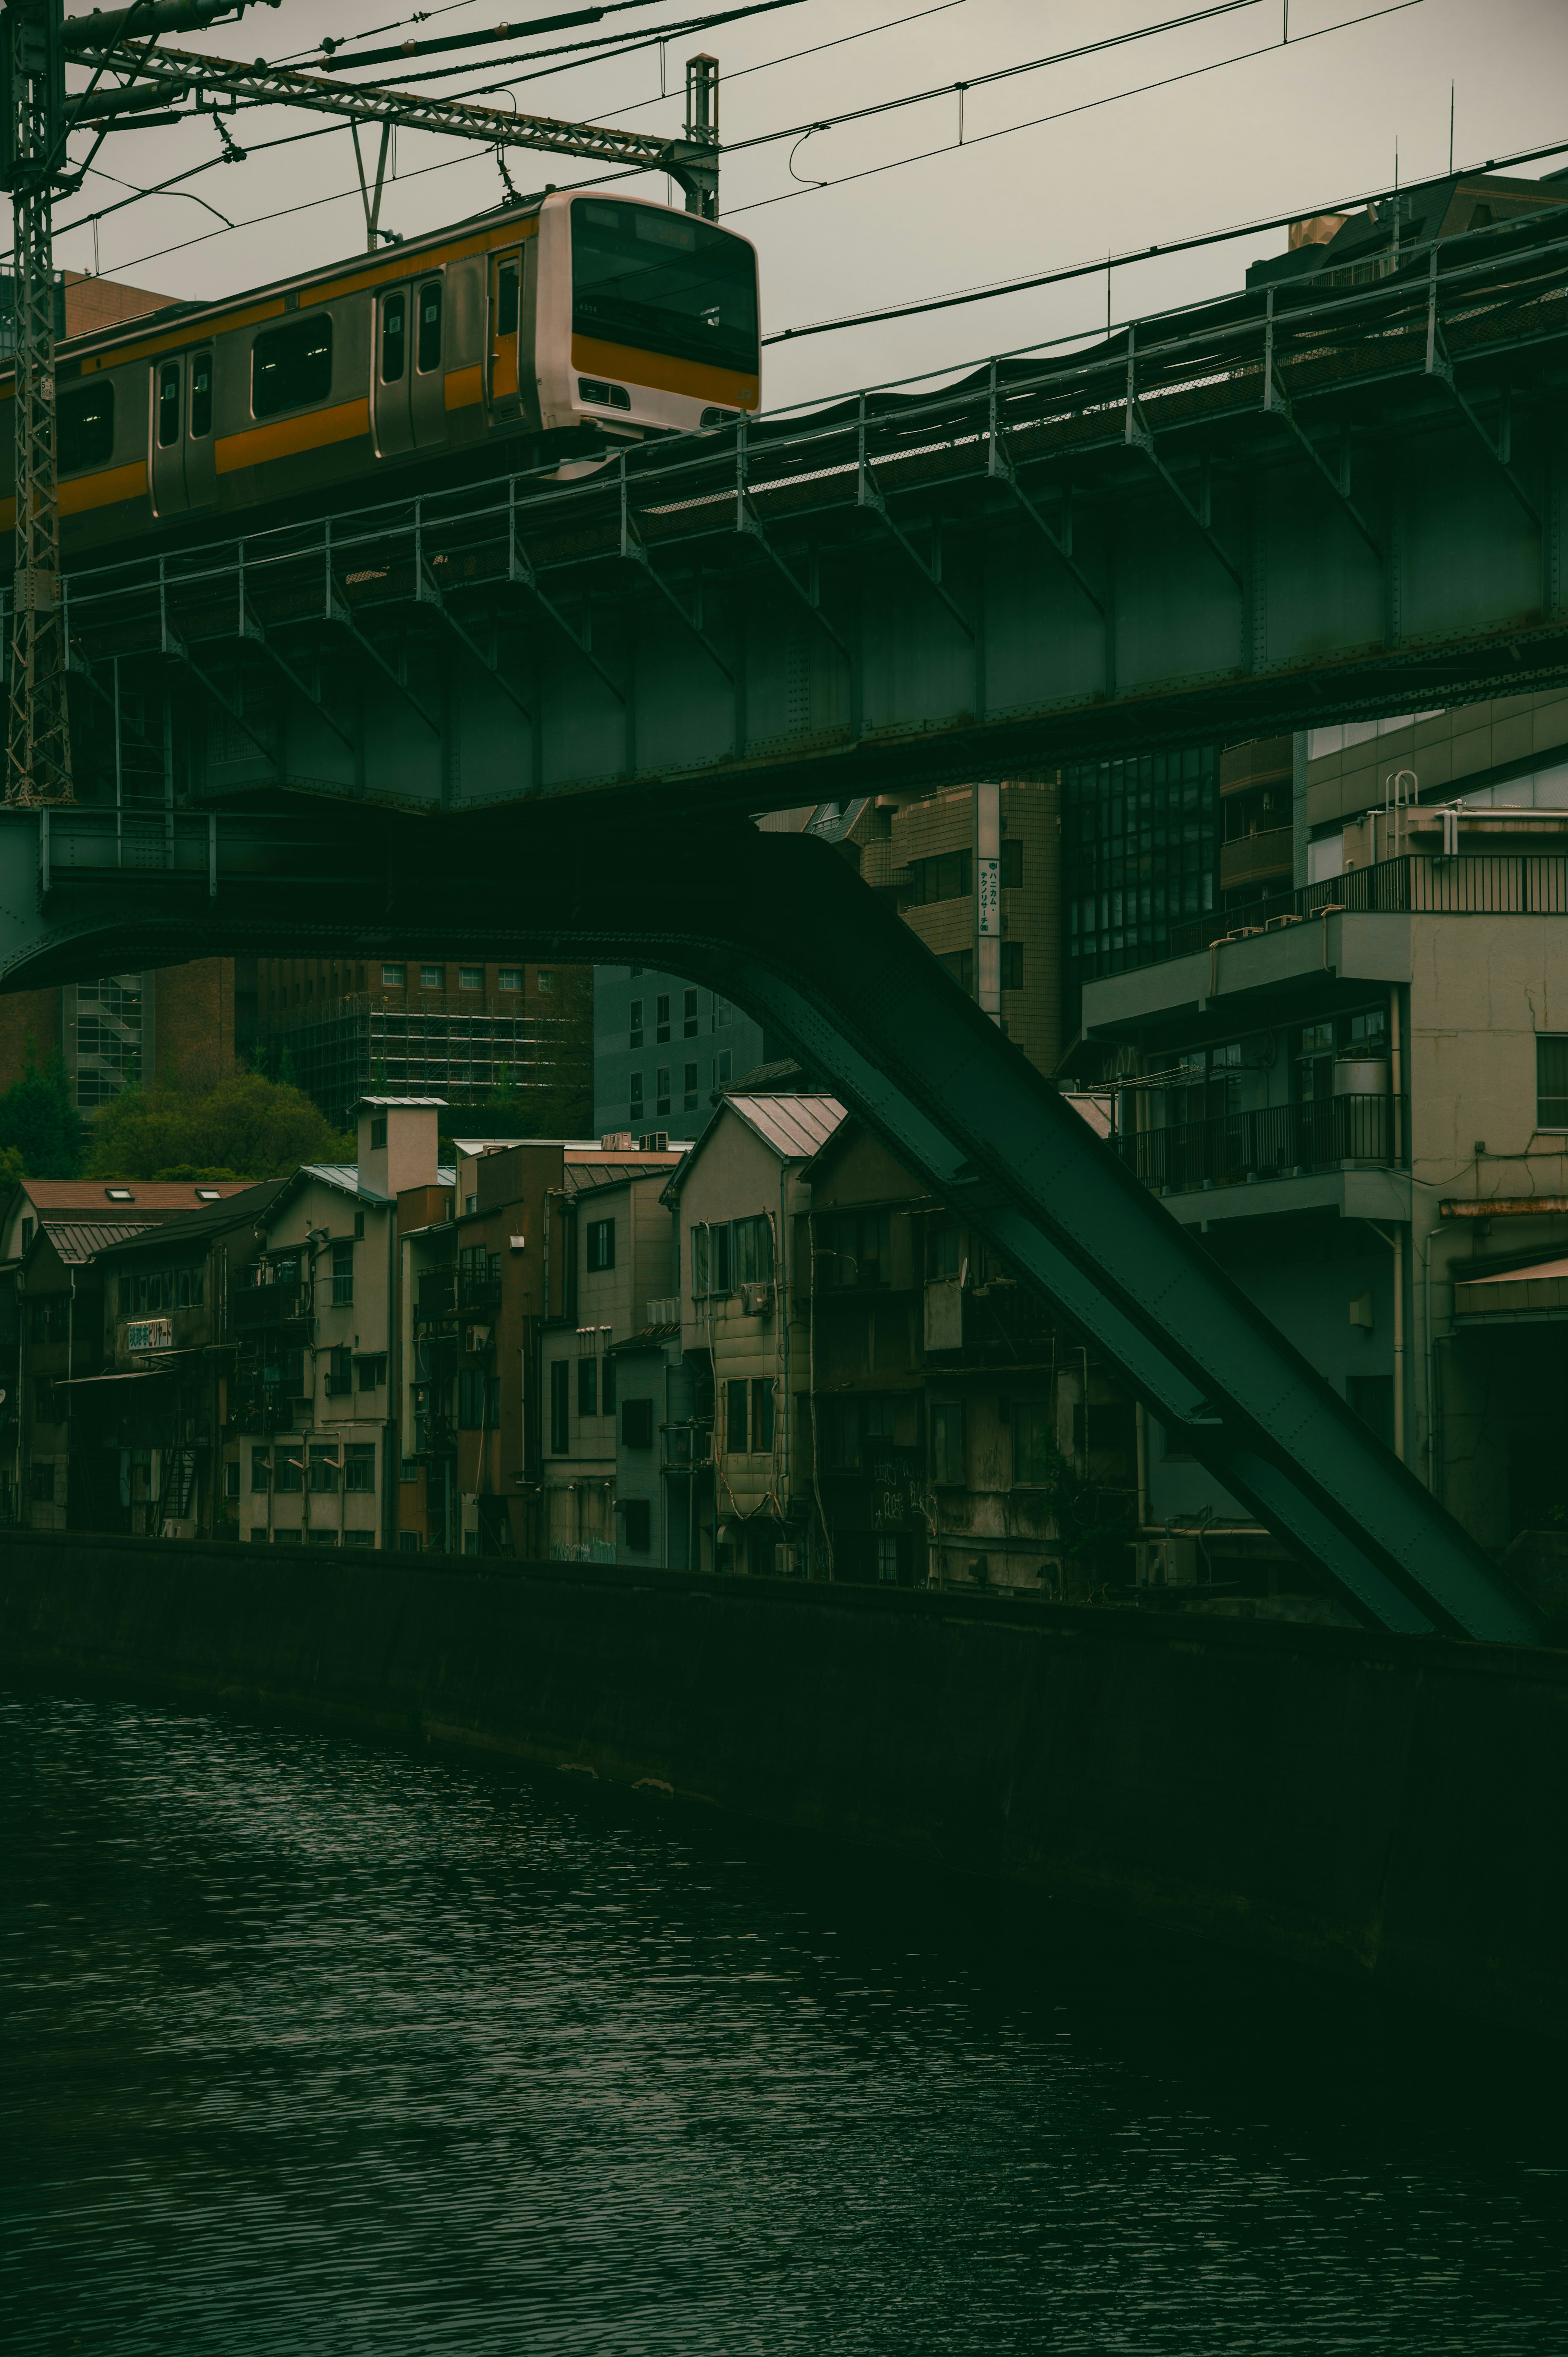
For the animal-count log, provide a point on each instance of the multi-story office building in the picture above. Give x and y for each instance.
(461, 1030)
(1141, 857)
(662, 1046)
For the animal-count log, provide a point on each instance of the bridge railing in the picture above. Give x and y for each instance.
(1274, 351)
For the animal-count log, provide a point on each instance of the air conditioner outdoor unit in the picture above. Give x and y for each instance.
(757, 1300)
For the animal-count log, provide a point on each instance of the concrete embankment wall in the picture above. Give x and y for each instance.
(1376, 1807)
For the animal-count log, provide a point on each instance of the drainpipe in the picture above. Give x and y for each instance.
(1432, 1463)
(1396, 1244)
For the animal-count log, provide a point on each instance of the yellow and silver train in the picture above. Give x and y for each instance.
(486, 348)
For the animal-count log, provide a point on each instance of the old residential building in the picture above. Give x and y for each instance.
(602, 1393)
(1365, 1110)
(150, 1438)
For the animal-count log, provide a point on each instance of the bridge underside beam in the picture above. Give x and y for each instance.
(780, 925)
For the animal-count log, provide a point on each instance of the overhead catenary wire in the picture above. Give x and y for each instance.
(1035, 123)
(1109, 262)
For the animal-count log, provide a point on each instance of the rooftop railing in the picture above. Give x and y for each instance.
(1491, 883)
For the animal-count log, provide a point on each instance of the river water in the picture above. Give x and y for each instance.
(317, 2046)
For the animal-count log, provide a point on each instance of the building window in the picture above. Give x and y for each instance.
(588, 1387)
(637, 1423)
(636, 1025)
(544, 981)
(1551, 1081)
(1011, 863)
(852, 1249)
(731, 1252)
(887, 1557)
(661, 1089)
(722, 1066)
(41, 1484)
(324, 1467)
(736, 1436)
(359, 1538)
(377, 1130)
(432, 977)
(393, 977)
(470, 977)
(947, 1442)
(944, 1244)
(408, 1543)
(261, 1468)
(472, 1399)
(601, 1244)
(638, 1513)
(661, 1016)
(342, 1275)
(1011, 965)
(290, 1471)
(560, 1407)
(27, 1227)
(634, 1097)
(359, 1465)
(608, 1387)
(509, 977)
(689, 1015)
(690, 1105)
(358, 1227)
(761, 1413)
(948, 877)
(1034, 1444)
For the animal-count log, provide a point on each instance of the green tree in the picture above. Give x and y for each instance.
(38, 1121)
(247, 1126)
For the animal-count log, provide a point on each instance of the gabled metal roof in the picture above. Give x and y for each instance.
(77, 1240)
(794, 1125)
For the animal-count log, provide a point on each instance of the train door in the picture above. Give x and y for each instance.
(427, 385)
(183, 471)
(506, 312)
(394, 423)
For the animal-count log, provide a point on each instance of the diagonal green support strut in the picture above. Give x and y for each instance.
(780, 924)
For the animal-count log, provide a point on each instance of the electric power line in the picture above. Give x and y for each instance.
(1139, 253)
(1087, 106)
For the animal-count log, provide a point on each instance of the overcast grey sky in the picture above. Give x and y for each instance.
(1279, 128)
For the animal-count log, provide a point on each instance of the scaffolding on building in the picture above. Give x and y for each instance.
(466, 1052)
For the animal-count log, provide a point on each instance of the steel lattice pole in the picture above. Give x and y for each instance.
(39, 756)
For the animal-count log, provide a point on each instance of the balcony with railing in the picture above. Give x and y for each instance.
(1292, 1141)
(269, 1308)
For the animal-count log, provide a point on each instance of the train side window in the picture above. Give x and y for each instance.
(507, 299)
(430, 326)
(200, 395)
(85, 428)
(394, 337)
(168, 403)
(291, 367)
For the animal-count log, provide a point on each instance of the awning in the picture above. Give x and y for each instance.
(81, 1383)
(1516, 1297)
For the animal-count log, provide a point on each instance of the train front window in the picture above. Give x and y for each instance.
(394, 337)
(664, 283)
(291, 368)
(168, 404)
(430, 326)
(200, 395)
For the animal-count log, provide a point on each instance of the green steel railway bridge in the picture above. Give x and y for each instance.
(541, 713)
